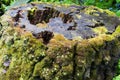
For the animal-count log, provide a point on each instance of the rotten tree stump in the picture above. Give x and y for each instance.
(42, 41)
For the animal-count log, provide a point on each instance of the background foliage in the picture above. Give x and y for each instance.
(113, 5)
(6, 4)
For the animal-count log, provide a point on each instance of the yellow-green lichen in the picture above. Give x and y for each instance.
(93, 10)
(117, 31)
(100, 30)
(110, 13)
(32, 11)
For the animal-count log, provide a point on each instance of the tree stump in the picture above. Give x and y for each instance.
(43, 41)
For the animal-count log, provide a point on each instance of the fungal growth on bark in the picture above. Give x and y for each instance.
(43, 41)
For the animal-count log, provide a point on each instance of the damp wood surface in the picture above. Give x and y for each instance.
(70, 21)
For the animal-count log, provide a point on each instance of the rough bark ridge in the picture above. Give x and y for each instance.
(42, 41)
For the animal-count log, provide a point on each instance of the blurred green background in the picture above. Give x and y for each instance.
(113, 5)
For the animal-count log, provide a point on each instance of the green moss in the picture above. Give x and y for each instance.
(40, 66)
(64, 73)
(24, 51)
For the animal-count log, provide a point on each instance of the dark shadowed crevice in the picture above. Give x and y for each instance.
(37, 78)
(74, 61)
(45, 35)
(16, 18)
(45, 15)
(96, 25)
(0, 24)
(73, 27)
